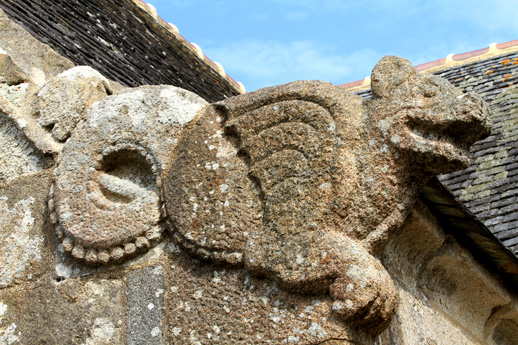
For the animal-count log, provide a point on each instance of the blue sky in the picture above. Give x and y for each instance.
(269, 42)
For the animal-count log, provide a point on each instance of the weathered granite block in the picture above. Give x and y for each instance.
(24, 236)
(74, 311)
(145, 294)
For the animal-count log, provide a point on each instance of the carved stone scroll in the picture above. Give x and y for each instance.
(105, 198)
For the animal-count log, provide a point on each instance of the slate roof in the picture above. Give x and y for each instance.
(126, 41)
(480, 203)
(489, 187)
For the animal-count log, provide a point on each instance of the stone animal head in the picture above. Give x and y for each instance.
(425, 117)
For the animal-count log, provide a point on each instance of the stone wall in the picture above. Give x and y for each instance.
(447, 297)
(170, 298)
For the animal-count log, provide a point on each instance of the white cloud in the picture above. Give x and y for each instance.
(321, 4)
(492, 15)
(266, 63)
(296, 15)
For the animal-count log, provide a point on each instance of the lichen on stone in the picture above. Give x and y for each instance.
(19, 246)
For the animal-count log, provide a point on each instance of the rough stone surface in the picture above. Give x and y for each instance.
(66, 266)
(36, 61)
(502, 326)
(69, 312)
(303, 183)
(64, 99)
(105, 199)
(24, 254)
(441, 284)
(145, 294)
(409, 326)
(10, 73)
(445, 283)
(206, 304)
(35, 121)
(20, 153)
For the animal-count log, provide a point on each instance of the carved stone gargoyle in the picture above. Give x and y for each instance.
(301, 183)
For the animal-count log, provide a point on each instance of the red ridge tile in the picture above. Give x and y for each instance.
(464, 56)
(429, 65)
(352, 84)
(507, 44)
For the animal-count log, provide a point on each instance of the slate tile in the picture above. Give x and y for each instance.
(509, 208)
(494, 221)
(455, 186)
(501, 227)
(492, 212)
(512, 241)
(477, 202)
(510, 217)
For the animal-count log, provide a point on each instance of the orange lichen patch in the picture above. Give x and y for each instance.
(508, 76)
(506, 61)
(509, 85)
(490, 72)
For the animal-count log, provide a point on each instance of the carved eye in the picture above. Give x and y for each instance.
(126, 175)
(106, 192)
(431, 90)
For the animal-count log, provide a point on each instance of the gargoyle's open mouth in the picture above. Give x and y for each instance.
(447, 140)
(438, 142)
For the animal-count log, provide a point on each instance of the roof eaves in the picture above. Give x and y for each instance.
(193, 47)
(468, 230)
